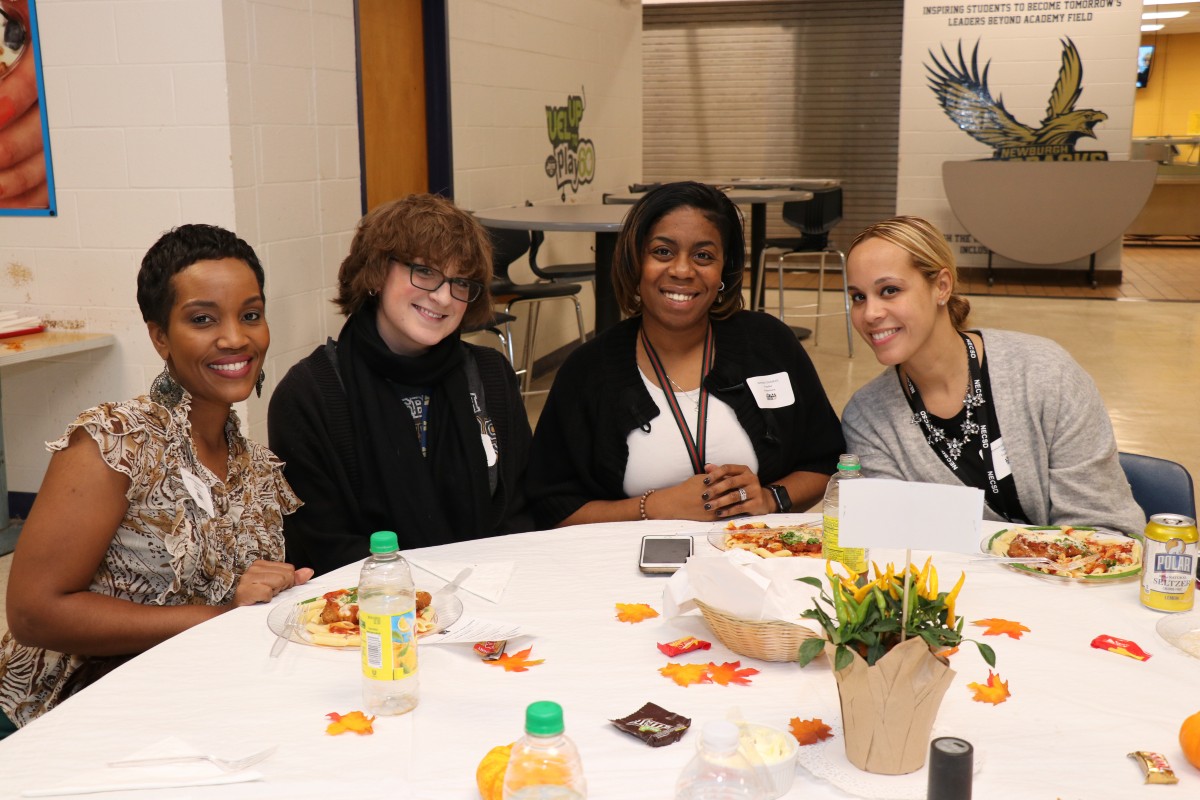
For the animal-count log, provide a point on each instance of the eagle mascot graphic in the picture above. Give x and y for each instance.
(964, 95)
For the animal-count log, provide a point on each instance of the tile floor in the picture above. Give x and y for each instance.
(1144, 357)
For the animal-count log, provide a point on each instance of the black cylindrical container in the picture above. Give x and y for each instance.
(950, 768)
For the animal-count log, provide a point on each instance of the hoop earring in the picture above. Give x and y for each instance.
(721, 288)
(165, 390)
(258, 384)
(372, 292)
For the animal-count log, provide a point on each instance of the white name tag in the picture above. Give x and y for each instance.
(198, 491)
(1000, 460)
(772, 391)
(489, 449)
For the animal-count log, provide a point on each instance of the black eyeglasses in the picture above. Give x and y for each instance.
(431, 279)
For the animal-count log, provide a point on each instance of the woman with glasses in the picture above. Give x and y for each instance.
(399, 425)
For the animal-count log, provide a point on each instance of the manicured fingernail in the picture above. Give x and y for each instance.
(707, 507)
(704, 496)
(706, 480)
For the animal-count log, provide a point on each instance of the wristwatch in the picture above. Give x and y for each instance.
(781, 497)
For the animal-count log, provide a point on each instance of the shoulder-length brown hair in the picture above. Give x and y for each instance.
(929, 251)
(645, 214)
(419, 227)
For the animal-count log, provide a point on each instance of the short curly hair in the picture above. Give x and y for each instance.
(423, 227)
(646, 213)
(175, 251)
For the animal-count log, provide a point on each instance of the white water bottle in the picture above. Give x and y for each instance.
(854, 558)
(387, 619)
(719, 771)
(544, 764)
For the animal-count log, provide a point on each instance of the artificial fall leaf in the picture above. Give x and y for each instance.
(635, 612)
(686, 674)
(995, 627)
(995, 691)
(810, 731)
(517, 662)
(731, 672)
(355, 721)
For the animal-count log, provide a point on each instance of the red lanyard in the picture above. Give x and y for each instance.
(695, 446)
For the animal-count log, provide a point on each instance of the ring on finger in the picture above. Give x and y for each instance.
(742, 494)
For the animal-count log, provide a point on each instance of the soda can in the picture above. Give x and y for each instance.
(1169, 563)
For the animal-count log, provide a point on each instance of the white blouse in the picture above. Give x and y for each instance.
(658, 458)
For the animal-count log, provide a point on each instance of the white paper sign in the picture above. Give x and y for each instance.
(772, 391)
(876, 512)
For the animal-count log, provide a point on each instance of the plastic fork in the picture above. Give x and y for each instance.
(452, 587)
(289, 627)
(223, 764)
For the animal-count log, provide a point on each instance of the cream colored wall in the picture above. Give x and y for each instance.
(1172, 95)
(509, 59)
(240, 113)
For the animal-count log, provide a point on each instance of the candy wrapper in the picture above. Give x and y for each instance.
(685, 645)
(1122, 647)
(654, 725)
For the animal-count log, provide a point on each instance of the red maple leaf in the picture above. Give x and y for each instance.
(518, 662)
(810, 731)
(995, 691)
(731, 672)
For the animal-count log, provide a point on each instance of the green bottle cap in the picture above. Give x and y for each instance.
(384, 542)
(544, 718)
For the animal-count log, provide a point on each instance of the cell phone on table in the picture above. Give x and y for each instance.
(664, 554)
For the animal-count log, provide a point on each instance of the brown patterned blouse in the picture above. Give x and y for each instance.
(168, 550)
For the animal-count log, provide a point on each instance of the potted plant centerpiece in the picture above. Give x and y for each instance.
(889, 639)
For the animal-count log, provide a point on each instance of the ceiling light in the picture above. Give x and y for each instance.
(1151, 28)
(1167, 2)
(1165, 14)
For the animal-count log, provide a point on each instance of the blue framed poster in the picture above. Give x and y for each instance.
(26, 174)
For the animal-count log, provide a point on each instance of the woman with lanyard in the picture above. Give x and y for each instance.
(691, 408)
(1005, 412)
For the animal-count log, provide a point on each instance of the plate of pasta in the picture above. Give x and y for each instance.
(1087, 555)
(768, 542)
(331, 619)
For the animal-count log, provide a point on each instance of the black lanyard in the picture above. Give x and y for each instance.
(695, 446)
(985, 428)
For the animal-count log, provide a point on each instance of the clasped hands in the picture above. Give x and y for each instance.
(714, 495)
(262, 580)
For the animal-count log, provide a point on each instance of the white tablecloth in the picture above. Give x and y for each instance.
(1074, 714)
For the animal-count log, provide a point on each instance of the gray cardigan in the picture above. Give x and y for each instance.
(1056, 431)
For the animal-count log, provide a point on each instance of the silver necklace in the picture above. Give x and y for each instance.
(937, 436)
(679, 390)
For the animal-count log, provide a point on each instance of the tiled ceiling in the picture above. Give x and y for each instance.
(1186, 24)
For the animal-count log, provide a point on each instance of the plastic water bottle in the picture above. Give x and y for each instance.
(387, 619)
(544, 764)
(719, 771)
(854, 558)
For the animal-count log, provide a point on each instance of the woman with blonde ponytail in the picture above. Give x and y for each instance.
(1005, 412)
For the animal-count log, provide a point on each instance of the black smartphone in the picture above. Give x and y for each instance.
(664, 553)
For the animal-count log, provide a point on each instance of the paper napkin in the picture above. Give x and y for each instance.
(164, 776)
(487, 580)
(745, 585)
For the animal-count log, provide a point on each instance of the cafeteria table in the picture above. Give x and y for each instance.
(1074, 714)
(605, 221)
(757, 199)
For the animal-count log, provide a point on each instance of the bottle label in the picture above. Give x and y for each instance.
(389, 645)
(854, 558)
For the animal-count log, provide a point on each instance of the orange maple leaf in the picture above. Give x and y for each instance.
(686, 674)
(995, 691)
(995, 627)
(730, 672)
(518, 662)
(355, 721)
(634, 612)
(810, 731)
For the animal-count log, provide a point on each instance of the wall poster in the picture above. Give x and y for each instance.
(26, 175)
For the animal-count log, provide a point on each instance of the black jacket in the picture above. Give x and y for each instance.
(580, 448)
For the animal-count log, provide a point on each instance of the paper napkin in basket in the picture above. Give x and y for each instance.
(487, 580)
(164, 776)
(744, 585)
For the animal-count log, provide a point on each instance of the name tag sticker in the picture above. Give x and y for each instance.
(489, 449)
(1000, 460)
(198, 491)
(772, 391)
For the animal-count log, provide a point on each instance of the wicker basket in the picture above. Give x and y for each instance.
(772, 640)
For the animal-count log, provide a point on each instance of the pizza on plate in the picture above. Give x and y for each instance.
(792, 540)
(331, 620)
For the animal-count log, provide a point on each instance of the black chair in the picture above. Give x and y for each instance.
(498, 325)
(815, 219)
(1159, 486)
(507, 246)
(557, 272)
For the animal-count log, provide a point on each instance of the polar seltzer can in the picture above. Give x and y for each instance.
(1169, 563)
